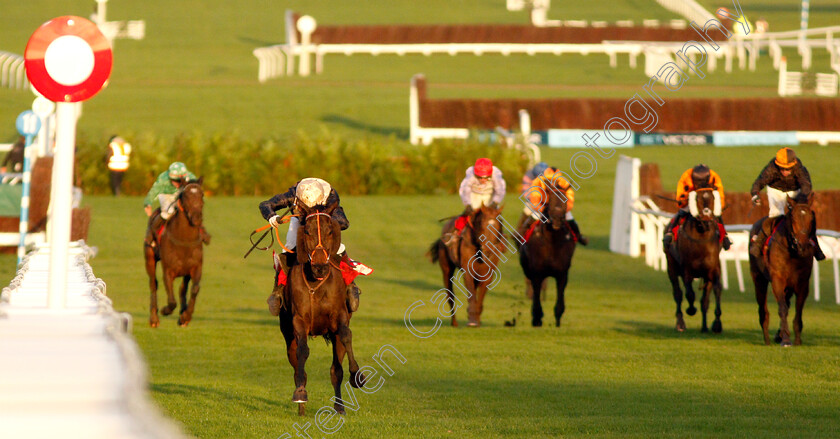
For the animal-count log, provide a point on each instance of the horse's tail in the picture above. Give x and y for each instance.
(434, 250)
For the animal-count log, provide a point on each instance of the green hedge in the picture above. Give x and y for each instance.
(234, 165)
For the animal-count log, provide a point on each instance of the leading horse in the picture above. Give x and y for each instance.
(548, 252)
(786, 264)
(475, 260)
(695, 253)
(314, 303)
(181, 255)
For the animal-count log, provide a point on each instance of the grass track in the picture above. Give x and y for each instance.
(616, 368)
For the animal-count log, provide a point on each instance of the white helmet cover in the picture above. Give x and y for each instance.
(313, 191)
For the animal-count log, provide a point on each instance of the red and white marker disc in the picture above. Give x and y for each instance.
(68, 59)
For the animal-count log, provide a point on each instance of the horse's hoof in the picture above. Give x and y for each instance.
(473, 324)
(557, 323)
(167, 310)
(691, 311)
(786, 344)
(339, 409)
(777, 338)
(300, 396)
(704, 329)
(357, 379)
(154, 324)
(717, 327)
(183, 322)
(536, 323)
(680, 326)
(454, 323)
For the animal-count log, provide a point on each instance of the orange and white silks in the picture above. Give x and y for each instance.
(686, 185)
(550, 180)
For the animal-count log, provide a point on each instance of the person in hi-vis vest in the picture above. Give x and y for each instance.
(118, 152)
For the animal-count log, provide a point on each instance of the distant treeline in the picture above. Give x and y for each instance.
(231, 164)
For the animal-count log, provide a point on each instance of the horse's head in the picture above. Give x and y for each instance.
(191, 202)
(704, 204)
(485, 222)
(556, 207)
(800, 218)
(320, 239)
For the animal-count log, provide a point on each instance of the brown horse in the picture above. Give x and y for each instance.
(476, 260)
(548, 253)
(181, 255)
(695, 254)
(787, 265)
(314, 303)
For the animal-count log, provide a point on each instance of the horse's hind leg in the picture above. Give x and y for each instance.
(447, 268)
(560, 306)
(678, 294)
(761, 298)
(151, 268)
(337, 372)
(186, 315)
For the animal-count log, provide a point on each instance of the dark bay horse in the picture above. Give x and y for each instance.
(181, 255)
(477, 260)
(548, 253)
(314, 303)
(787, 265)
(695, 254)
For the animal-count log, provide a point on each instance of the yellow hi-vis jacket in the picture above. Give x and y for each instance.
(118, 158)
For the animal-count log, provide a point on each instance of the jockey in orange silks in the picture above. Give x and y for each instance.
(698, 177)
(537, 199)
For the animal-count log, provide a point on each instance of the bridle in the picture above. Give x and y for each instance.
(181, 206)
(320, 246)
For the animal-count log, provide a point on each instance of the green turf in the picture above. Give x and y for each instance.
(616, 368)
(195, 70)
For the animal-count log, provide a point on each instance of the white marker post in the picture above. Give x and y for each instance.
(28, 125)
(68, 60)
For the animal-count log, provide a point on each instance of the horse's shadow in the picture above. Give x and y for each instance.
(251, 402)
(400, 133)
(662, 331)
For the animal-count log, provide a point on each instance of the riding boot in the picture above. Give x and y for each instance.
(205, 237)
(757, 241)
(818, 253)
(523, 225)
(576, 230)
(726, 242)
(352, 291)
(452, 241)
(669, 232)
(155, 223)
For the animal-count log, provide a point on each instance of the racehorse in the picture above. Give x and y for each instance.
(695, 254)
(314, 303)
(786, 264)
(180, 252)
(476, 261)
(548, 252)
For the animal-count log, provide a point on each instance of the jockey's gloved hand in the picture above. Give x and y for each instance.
(274, 221)
(756, 200)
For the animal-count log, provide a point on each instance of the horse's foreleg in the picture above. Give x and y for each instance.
(336, 371)
(688, 283)
(480, 292)
(717, 325)
(346, 337)
(151, 268)
(472, 303)
(536, 305)
(704, 303)
(560, 306)
(301, 354)
(801, 295)
(678, 294)
(168, 283)
(447, 268)
(783, 337)
(182, 292)
(186, 315)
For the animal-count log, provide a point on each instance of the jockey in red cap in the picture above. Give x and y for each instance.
(482, 184)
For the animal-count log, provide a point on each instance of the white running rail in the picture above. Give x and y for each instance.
(12, 71)
(690, 9)
(73, 372)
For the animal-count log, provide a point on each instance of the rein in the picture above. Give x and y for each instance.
(320, 245)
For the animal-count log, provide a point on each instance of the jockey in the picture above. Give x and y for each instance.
(482, 185)
(537, 198)
(165, 191)
(532, 173)
(698, 177)
(784, 176)
(311, 192)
